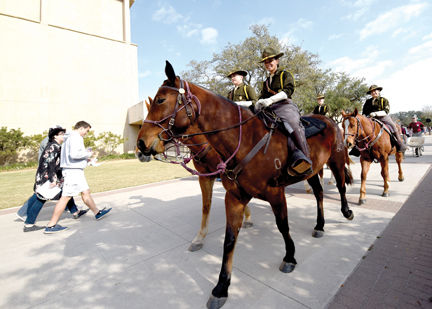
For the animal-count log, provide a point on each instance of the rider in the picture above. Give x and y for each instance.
(242, 94)
(276, 94)
(378, 107)
(321, 108)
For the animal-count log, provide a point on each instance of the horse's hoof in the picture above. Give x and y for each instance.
(215, 302)
(349, 215)
(286, 267)
(385, 194)
(195, 247)
(362, 201)
(317, 234)
(247, 224)
(401, 178)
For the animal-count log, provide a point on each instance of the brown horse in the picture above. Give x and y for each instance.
(374, 143)
(233, 132)
(205, 160)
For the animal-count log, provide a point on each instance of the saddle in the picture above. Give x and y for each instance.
(311, 125)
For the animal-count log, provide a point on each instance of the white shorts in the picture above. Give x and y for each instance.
(74, 181)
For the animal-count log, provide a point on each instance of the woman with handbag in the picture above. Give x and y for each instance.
(48, 181)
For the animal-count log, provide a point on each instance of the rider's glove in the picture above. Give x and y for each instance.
(262, 103)
(373, 114)
(244, 103)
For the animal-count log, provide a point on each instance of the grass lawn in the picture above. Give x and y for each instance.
(17, 186)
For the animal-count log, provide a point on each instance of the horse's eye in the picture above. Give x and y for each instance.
(160, 100)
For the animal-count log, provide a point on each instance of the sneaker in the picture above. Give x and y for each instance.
(32, 228)
(54, 229)
(80, 213)
(20, 217)
(102, 213)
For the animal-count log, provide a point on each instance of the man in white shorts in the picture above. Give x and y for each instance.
(73, 160)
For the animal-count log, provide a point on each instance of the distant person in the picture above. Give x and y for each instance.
(321, 108)
(48, 177)
(416, 127)
(73, 160)
(242, 94)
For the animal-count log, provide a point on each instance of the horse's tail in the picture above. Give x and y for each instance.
(348, 176)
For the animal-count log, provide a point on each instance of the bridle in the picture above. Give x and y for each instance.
(369, 140)
(184, 100)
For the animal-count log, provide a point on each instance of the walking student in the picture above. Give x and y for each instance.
(73, 160)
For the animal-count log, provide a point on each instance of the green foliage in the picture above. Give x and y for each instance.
(11, 142)
(405, 117)
(342, 91)
(108, 142)
(90, 139)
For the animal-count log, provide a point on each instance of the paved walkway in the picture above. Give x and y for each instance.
(138, 258)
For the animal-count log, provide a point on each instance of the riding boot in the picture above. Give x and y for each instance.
(299, 161)
(400, 146)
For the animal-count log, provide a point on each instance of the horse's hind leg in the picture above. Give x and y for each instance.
(234, 209)
(206, 185)
(315, 183)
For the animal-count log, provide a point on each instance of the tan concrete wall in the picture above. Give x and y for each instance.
(50, 75)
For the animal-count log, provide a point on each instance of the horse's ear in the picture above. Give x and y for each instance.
(150, 100)
(147, 104)
(355, 112)
(169, 71)
(343, 113)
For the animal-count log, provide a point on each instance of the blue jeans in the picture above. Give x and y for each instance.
(35, 205)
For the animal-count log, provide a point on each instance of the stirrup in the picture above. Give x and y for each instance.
(300, 165)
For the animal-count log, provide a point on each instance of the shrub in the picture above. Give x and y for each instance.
(11, 142)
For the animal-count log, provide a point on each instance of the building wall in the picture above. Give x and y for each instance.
(67, 60)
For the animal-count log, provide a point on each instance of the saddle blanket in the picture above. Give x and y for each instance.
(312, 125)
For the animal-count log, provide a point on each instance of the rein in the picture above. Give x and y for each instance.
(368, 140)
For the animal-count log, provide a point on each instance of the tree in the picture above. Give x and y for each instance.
(11, 142)
(342, 92)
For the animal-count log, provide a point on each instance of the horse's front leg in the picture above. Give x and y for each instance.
(315, 183)
(365, 165)
(247, 218)
(206, 185)
(385, 175)
(399, 158)
(234, 209)
(276, 197)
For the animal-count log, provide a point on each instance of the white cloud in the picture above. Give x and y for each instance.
(392, 19)
(265, 21)
(422, 49)
(427, 37)
(335, 36)
(303, 23)
(361, 7)
(144, 74)
(209, 35)
(166, 15)
(189, 29)
(408, 88)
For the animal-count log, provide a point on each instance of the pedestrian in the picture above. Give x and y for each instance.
(321, 108)
(241, 94)
(276, 95)
(73, 160)
(416, 127)
(48, 181)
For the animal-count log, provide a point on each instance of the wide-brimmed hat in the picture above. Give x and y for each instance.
(373, 87)
(239, 72)
(269, 53)
(320, 96)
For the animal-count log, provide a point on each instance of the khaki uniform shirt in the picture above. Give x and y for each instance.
(320, 109)
(278, 84)
(242, 93)
(375, 105)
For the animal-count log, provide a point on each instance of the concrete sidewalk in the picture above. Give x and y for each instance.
(137, 257)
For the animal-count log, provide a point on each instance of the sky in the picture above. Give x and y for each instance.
(388, 42)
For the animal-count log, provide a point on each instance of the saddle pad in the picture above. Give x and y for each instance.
(312, 125)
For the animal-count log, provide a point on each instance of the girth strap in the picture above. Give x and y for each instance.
(232, 174)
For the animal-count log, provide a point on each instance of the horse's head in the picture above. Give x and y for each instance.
(173, 109)
(350, 125)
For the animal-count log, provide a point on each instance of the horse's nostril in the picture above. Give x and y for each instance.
(141, 145)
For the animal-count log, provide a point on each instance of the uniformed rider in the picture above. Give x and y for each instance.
(276, 95)
(321, 108)
(242, 94)
(379, 107)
